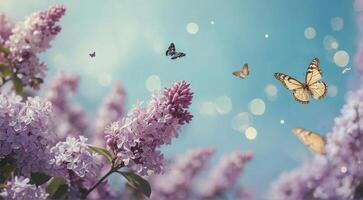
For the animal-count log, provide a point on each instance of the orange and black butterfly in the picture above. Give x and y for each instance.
(243, 72)
(313, 85)
(313, 141)
(172, 53)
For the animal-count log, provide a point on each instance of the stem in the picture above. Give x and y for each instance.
(97, 183)
(112, 170)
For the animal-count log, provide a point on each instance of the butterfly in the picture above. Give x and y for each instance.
(92, 55)
(345, 70)
(171, 52)
(243, 73)
(313, 141)
(313, 85)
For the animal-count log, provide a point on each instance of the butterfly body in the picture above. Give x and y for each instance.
(243, 72)
(313, 85)
(92, 55)
(172, 53)
(314, 142)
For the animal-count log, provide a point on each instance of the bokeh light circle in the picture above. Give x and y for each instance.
(251, 133)
(192, 28)
(271, 91)
(242, 121)
(212, 22)
(207, 108)
(337, 23)
(223, 104)
(330, 42)
(266, 36)
(332, 91)
(344, 169)
(257, 106)
(104, 79)
(341, 58)
(282, 121)
(153, 83)
(310, 33)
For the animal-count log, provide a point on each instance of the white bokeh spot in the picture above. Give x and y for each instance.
(192, 28)
(341, 58)
(257, 107)
(153, 83)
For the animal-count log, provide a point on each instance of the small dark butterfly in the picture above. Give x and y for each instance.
(92, 55)
(172, 53)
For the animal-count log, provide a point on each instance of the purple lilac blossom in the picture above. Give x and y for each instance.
(75, 154)
(5, 28)
(26, 134)
(20, 189)
(338, 173)
(70, 119)
(31, 37)
(224, 176)
(177, 182)
(112, 109)
(135, 139)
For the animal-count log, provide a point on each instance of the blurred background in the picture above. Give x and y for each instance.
(218, 37)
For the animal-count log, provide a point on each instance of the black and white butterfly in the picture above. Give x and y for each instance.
(172, 53)
(92, 55)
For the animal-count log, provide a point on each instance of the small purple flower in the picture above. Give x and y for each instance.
(20, 189)
(224, 176)
(26, 133)
(112, 109)
(75, 154)
(31, 37)
(5, 28)
(69, 120)
(136, 138)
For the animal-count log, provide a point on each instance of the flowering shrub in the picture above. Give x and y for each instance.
(44, 148)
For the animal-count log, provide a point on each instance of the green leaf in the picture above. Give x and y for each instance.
(6, 51)
(39, 178)
(5, 70)
(54, 185)
(17, 84)
(358, 193)
(102, 151)
(137, 182)
(61, 192)
(6, 170)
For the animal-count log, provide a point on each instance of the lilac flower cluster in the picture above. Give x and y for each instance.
(70, 120)
(75, 154)
(112, 109)
(30, 37)
(177, 183)
(225, 175)
(26, 133)
(136, 138)
(20, 189)
(337, 174)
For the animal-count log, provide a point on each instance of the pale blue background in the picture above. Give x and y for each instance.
(129, 38)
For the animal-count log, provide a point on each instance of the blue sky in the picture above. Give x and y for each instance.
(130, 38)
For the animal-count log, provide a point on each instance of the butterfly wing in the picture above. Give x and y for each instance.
(298, 89)
(316, 87)
(171, 50)
(178, 55)
(243, 73)
(245, 70)
(313, 141)
(313, 73)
